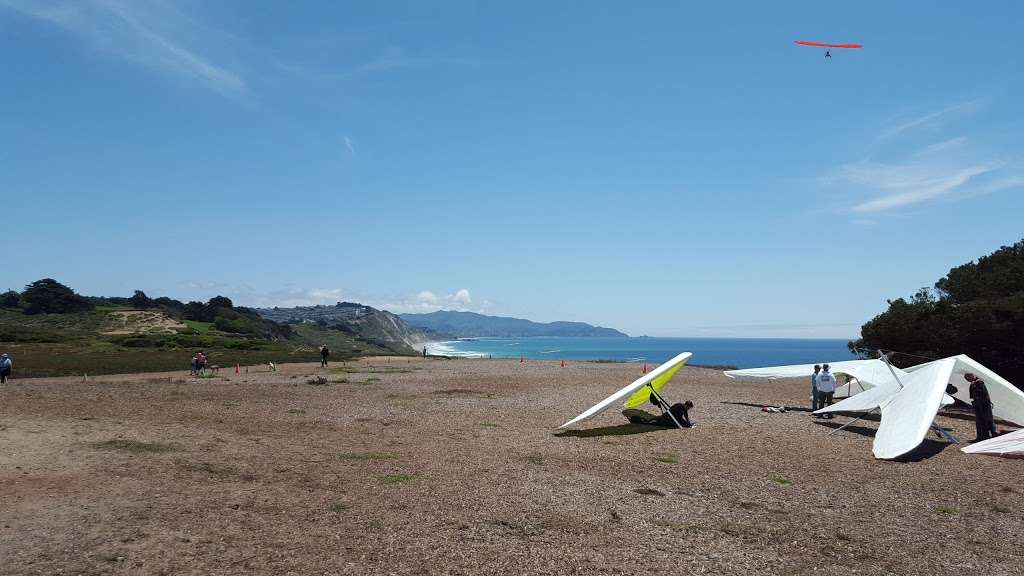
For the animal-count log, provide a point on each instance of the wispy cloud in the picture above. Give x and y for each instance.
(909, 183)
(931, 118)
(135, 31)
(349, 146)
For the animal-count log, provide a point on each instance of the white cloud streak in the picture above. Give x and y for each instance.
(131, 31)
(930, 119)
(905, 184)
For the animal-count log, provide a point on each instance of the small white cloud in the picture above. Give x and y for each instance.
(348, 146)
(460, 297)
(426, 297)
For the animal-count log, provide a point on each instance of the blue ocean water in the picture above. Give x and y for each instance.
(738, 352)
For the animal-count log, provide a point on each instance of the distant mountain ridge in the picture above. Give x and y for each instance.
(473, 325)
(366, 322)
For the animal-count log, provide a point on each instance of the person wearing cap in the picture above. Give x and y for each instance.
(826, 385)
(6, 365)
(982, 403)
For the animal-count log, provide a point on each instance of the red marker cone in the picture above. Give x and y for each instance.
(520, 359)
(237, 371)
(563, 363)
(645, 367)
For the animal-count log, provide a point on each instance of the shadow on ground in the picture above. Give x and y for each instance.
(925, 450)
(759, 406)
(620, 430)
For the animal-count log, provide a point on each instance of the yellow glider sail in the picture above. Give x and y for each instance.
(642, 395)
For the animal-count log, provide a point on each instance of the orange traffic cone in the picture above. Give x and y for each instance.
(563, 363)
(237, 371)
(645, 367)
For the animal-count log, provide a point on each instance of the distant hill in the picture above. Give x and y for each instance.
(473, 325)
(50, 330)
(365, 322)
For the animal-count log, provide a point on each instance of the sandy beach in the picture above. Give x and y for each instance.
(428, 466)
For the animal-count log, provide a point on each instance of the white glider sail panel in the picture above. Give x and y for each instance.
(1008, 445)
(867, 400)
(869, 373)
(641, 396)
(1007, 399)
(672, 365)
(907, 418)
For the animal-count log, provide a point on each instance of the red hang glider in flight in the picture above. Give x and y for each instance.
(827, 45)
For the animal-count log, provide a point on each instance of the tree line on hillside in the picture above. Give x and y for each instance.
(976, 309)
(48, 296)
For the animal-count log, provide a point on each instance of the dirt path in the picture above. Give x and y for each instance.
(412, 466)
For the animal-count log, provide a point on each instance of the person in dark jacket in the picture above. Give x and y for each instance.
(324, 353)
(6, 365)
(680, 411)
(982, 404)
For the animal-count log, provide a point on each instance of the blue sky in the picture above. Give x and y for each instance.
(663, 168)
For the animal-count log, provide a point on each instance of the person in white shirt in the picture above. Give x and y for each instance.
(825, 383)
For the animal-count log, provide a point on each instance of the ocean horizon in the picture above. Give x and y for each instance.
(738, 352)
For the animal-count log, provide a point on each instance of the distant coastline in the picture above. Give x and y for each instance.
(739, 352)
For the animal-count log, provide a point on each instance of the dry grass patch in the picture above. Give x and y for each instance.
(398, 478)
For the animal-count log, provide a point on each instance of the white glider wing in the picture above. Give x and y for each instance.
(1008, 445)
(907, 418)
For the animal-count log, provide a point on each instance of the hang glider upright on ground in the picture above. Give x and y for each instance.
(909, 411)
(828, 46)
(639, 391)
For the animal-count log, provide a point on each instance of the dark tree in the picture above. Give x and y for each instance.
(140, 300)
(10, 299)
(51, 297)
(220, 302)
(976, 309)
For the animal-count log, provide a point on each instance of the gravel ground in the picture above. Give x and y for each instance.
(422, 466)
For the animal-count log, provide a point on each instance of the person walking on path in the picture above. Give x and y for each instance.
(984, 423)
(324, 353)
(814, 388)
(6, 365)
(826, 385)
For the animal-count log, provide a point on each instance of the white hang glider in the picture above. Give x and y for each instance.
(867, 374)
(909, 399)
(639, 391)
(1008, 446)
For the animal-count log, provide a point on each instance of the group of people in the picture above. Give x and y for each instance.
(823, 388)
(6, 365)
(199, 364)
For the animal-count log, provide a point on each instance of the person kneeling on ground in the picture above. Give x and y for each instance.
(680, 411)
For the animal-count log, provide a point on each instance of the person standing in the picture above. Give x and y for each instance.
(984, 423)
(814, 387)
(324, 353)
(826, 385)
(6, 365)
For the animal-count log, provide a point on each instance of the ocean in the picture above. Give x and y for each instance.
(738, 352)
